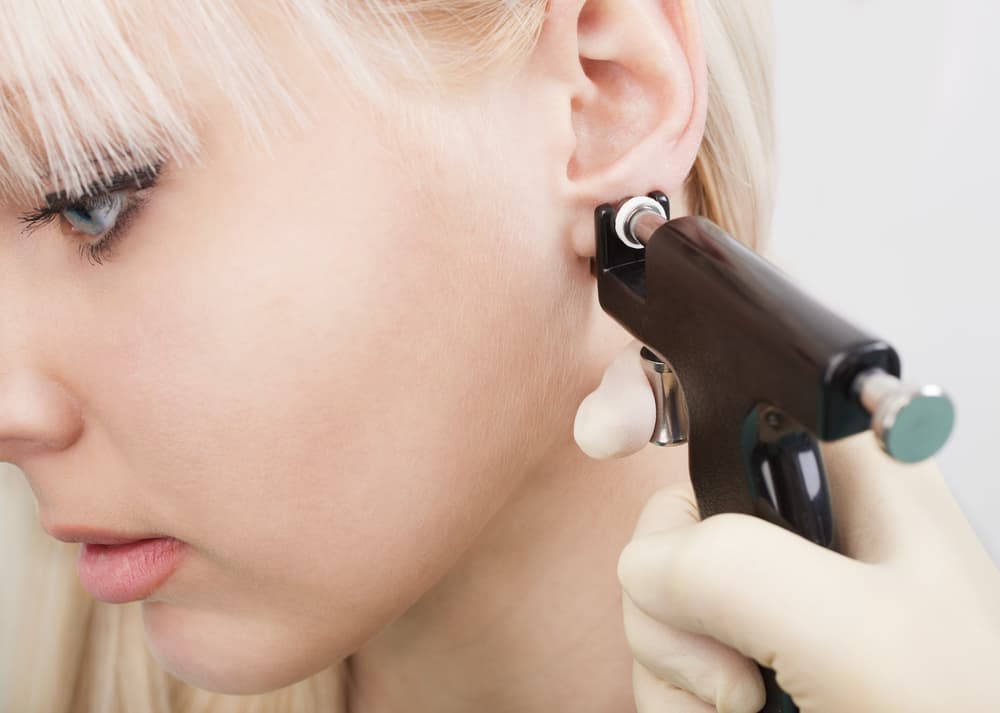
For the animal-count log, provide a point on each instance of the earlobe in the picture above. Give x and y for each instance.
(639, 115)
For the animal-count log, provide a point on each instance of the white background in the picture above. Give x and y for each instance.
(888, 212)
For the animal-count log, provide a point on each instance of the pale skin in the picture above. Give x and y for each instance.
(346, 375)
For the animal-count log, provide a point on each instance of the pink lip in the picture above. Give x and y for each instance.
(94, 536)
(119, 573)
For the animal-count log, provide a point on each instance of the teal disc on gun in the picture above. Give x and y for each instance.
(920, 427)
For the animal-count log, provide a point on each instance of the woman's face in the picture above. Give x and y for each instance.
(323, 369)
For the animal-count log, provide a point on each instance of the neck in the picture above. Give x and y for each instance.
(530, 619)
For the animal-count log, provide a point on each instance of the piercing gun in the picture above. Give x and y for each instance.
(750, 372)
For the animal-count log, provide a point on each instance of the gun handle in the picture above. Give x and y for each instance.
(788, 479)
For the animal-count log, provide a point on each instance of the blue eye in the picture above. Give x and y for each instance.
(99, 216)
(103, 213)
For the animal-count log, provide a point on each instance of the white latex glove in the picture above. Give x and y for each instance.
(908, 621)
(675, 671)
(618, 417)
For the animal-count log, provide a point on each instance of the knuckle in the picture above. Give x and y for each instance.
(628, 566)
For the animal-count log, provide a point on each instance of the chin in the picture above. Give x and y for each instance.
(222, 653)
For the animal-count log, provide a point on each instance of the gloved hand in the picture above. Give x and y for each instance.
(906, 620)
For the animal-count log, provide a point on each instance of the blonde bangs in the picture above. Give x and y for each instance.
(91, 89)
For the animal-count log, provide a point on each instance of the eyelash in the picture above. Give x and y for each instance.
(137, 185)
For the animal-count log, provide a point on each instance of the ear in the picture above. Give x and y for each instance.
(637, 100)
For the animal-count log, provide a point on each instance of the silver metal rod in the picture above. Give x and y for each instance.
(874, 385)
(643, 224)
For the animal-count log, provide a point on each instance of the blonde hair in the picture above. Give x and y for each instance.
(90, 90)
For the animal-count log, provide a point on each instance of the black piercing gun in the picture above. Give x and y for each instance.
(750, 371)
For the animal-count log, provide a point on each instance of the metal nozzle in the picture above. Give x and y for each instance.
(671, 412)
(636, 220)
(911, 422)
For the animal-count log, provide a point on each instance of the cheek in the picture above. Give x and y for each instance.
(328, 422)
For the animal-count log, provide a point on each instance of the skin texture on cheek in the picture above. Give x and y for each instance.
(326, 386)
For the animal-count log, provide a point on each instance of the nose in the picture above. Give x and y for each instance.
(36, 414)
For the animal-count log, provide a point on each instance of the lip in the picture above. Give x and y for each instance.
(95, 536)
(119, 573)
